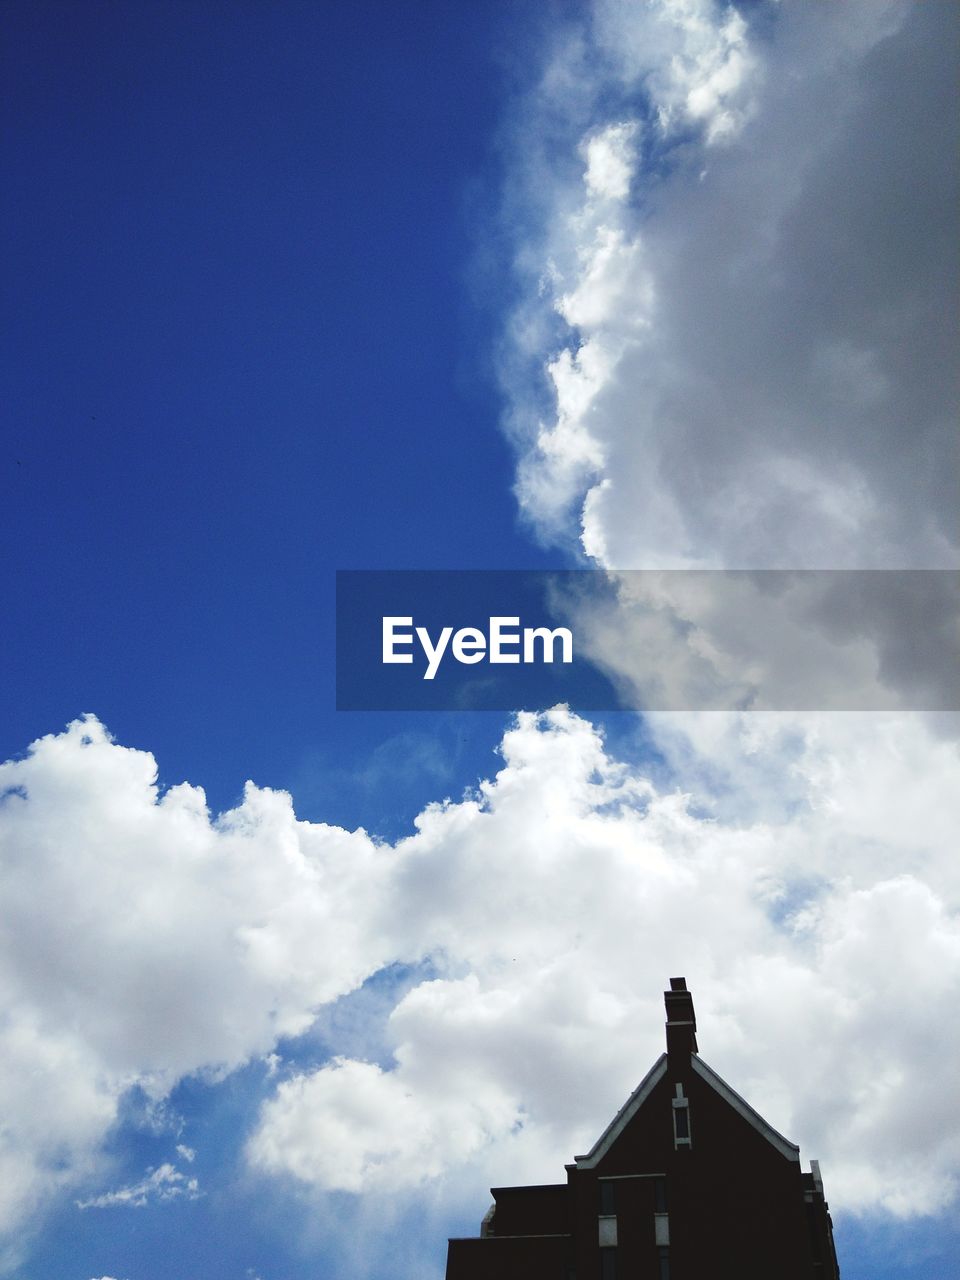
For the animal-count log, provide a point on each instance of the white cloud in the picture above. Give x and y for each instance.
(143, 940)
(351, 1126)
(166, 1182)
(561, 899)
(552, 906)
(609, 162)
(56, 1107)
(692, 56)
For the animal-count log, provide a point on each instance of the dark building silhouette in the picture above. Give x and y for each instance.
(686, 1182)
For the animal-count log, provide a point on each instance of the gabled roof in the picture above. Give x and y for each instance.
(623, 1117)
(787, 1149)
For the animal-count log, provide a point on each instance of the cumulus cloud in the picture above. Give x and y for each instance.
(352, 1126)
(732, 352)
(740, 310)
(559, 897)
(143, 940)
(551, 905)
(735, 349)
(754, 270)
(693, 59)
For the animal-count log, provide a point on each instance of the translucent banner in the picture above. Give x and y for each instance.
(670, 640)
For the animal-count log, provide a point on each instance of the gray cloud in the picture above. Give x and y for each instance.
(777, 385)
(781, 640)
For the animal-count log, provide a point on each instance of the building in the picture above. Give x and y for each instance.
(687, 1181)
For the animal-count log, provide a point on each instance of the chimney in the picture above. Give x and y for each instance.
(681, 1022)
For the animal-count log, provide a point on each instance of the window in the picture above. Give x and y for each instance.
(608, 1264)
(607, 1221)
(607, 1231)
(663, 1259)
(661, 1219)
(681, 1120)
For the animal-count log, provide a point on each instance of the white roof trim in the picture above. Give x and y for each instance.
(787, 1149)
(743, 1108)
(625, 1115)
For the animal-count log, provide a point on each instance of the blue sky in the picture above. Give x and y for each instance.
(243, 352)
(294, 288)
